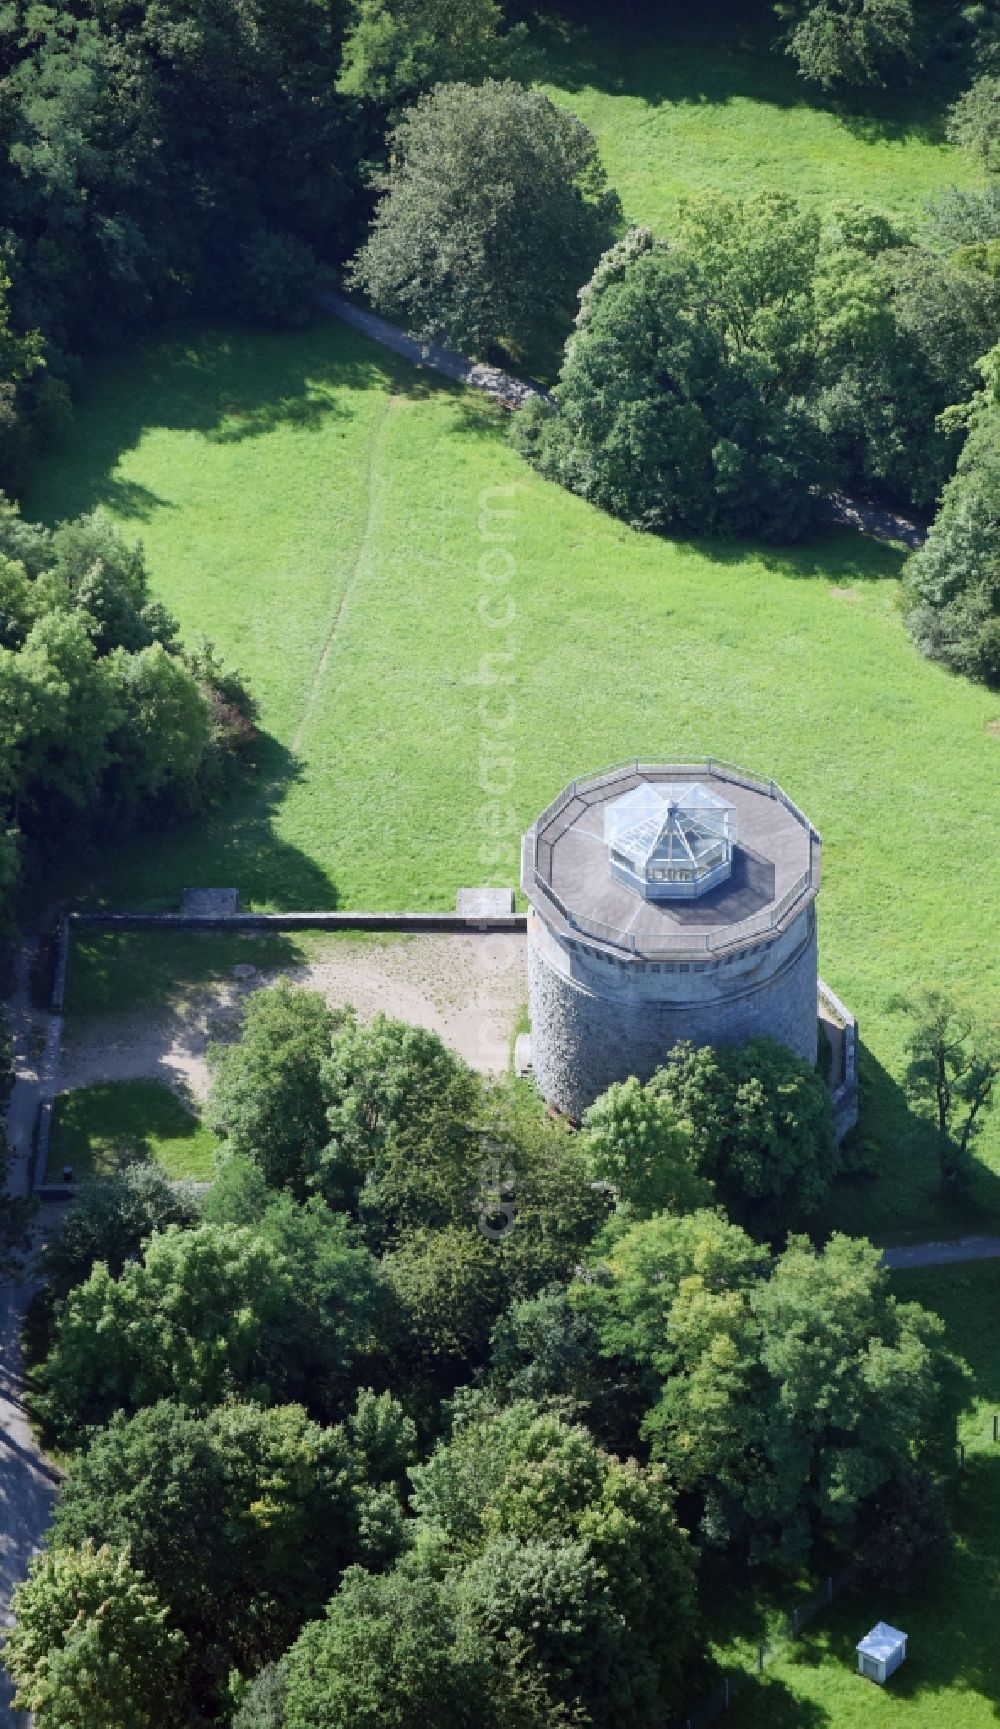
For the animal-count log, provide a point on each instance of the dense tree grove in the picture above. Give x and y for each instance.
(783, 1400)
(953, 582)
(577, 1372)
(155, 157)
(104, 717)
(730, 376)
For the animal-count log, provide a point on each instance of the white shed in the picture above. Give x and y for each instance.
(880, 1652)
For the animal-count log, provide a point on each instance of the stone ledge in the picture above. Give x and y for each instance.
(484, 903)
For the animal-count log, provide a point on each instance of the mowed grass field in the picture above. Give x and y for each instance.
(431, 672)
(705, 103)
(951, 1678)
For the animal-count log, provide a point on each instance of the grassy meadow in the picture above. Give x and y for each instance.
(708, 105)
(329, 518)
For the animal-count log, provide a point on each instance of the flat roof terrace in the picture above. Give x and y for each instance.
(775, 873)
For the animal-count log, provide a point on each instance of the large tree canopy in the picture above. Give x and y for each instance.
(786, 1400)
(277, 1309)
(494, 211)
(242, 1520)
(761, 1127)
(93, 1646)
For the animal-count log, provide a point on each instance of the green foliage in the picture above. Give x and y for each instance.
(543, 1348)
(953, 581)
(974, 121)
(108, 1220)
(472, 1196)
(964, 216)
(200, 150)
(495, 209)
(785, 1400)
(398, 49)
(268, 1095)
(718, 378)
(636, 1143)
(164, 729)
(565, 1562)
(92, 1647)
(449, 1287)
(242, 1519)
(273, 1311)
(277, 280)
(677, 398)
(761, 1127)
(850, 42)
(100, 717)
(386, 1657)
(401, 1112)
(263, 1704)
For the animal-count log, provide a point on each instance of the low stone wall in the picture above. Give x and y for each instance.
(327, 921)
(846, 1095)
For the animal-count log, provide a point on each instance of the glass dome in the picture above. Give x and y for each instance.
(670, 840)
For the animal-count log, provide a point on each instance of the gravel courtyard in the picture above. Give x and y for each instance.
(470, 989)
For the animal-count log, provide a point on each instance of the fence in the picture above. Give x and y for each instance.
(733, 1682)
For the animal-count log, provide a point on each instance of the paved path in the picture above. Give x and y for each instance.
(944, 1254)
(875, 520)
(509, 389)
(27, 1482)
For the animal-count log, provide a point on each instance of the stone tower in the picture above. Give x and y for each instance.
(668, 901)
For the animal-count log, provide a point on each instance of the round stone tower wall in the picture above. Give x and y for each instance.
(596, 1019)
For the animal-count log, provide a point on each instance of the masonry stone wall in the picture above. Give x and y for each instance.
(594, 1022)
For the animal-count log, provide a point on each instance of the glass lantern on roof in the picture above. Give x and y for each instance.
(670, 840)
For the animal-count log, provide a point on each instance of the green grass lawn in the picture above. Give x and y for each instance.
(703, 103)
(94, 1127)
(322, 513)
(121, 971)
(951, 1679)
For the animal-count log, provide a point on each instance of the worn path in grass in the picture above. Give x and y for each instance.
(27, 1481)
(492, 379)
(240, 459)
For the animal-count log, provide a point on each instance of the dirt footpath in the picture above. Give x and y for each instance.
(470, 989)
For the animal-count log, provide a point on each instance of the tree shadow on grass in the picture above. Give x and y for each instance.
(100, 1128)
(233, 845)
(711, 55)
(949, 1618)
(767, 1702)
(893, 1192)
(228, 384)
(842, 556)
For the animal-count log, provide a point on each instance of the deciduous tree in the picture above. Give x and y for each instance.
(92, 1646)
(494, 211)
